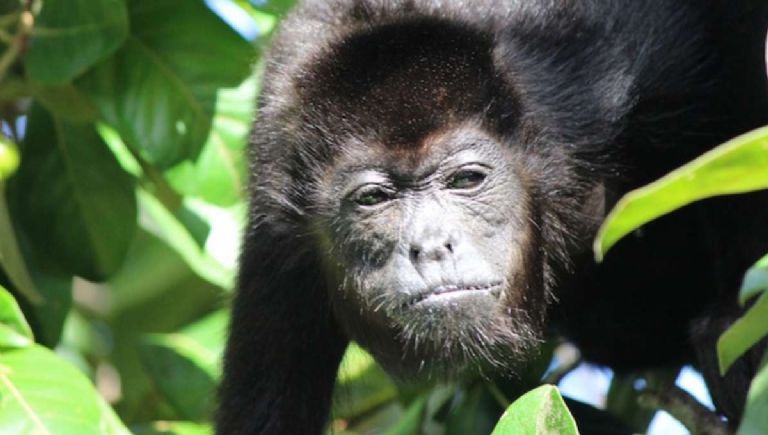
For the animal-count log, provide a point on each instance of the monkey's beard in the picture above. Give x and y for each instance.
(483, 336)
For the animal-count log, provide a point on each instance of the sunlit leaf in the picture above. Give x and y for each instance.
(218, 176)
(738, 166)
(70, 36)
(743, 334)
(14, 329)
(160, 222)
(755, 419)
(159, 90)
(539, 412)
(755, 281)
(174, 428)
(43, 394)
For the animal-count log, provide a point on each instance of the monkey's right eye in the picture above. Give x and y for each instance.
(372, 195)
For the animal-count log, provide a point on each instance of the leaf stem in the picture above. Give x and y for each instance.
(17, 43)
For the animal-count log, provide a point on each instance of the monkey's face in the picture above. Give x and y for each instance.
(431, 246)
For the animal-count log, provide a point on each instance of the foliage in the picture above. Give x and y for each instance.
(123, 126)
(737, 166)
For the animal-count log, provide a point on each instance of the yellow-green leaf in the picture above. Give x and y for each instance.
(738, 166)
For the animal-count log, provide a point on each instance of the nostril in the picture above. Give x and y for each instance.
(415, 252)
(449, 247)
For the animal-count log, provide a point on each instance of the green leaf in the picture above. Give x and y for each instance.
(159, 90)
(362, 385)
(70, 36)
(66, 102)
(47, 310)
(410, 422)
(539, 412)
(738, 166)
(174, 428)
(75, 201)
(743, 334)
(157, 220)
(474, 411)
(14, 329)
(48, 315)
(755, 420)
(755, 281)
(275, 7)
(185, 365)
(266, 21)
(218, 176)
(43, 394)
(11, 258)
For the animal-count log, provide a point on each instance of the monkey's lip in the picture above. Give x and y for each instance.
(445, 292)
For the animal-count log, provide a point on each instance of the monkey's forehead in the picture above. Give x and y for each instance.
(402, 81)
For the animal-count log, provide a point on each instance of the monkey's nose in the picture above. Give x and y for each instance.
(430, 251)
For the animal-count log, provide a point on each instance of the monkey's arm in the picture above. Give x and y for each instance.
(283, 349)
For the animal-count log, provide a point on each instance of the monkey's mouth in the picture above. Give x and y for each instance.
(447, 293)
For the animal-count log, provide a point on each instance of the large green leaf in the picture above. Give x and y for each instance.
(14, 330)
(75, 202)
(159, 90)
(65, 102)
(755, 420)
(185, 365)
(743, 334)
(218, 176)
(43, 394)
(738, 166)
(539, 412)
(72, 35)
(43, 287)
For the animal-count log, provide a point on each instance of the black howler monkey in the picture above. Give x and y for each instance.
(428, 175)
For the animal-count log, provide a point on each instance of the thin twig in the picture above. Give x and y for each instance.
(16, 45)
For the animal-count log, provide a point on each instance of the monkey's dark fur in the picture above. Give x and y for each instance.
(427, 178)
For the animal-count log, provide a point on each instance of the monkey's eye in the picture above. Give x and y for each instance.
(369, 196)
(466, 179)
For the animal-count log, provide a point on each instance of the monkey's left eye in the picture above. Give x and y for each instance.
(466, 179)
(373, 195)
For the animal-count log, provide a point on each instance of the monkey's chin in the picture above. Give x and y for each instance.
(449, 333)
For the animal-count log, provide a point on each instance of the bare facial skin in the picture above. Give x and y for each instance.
(431, 257)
